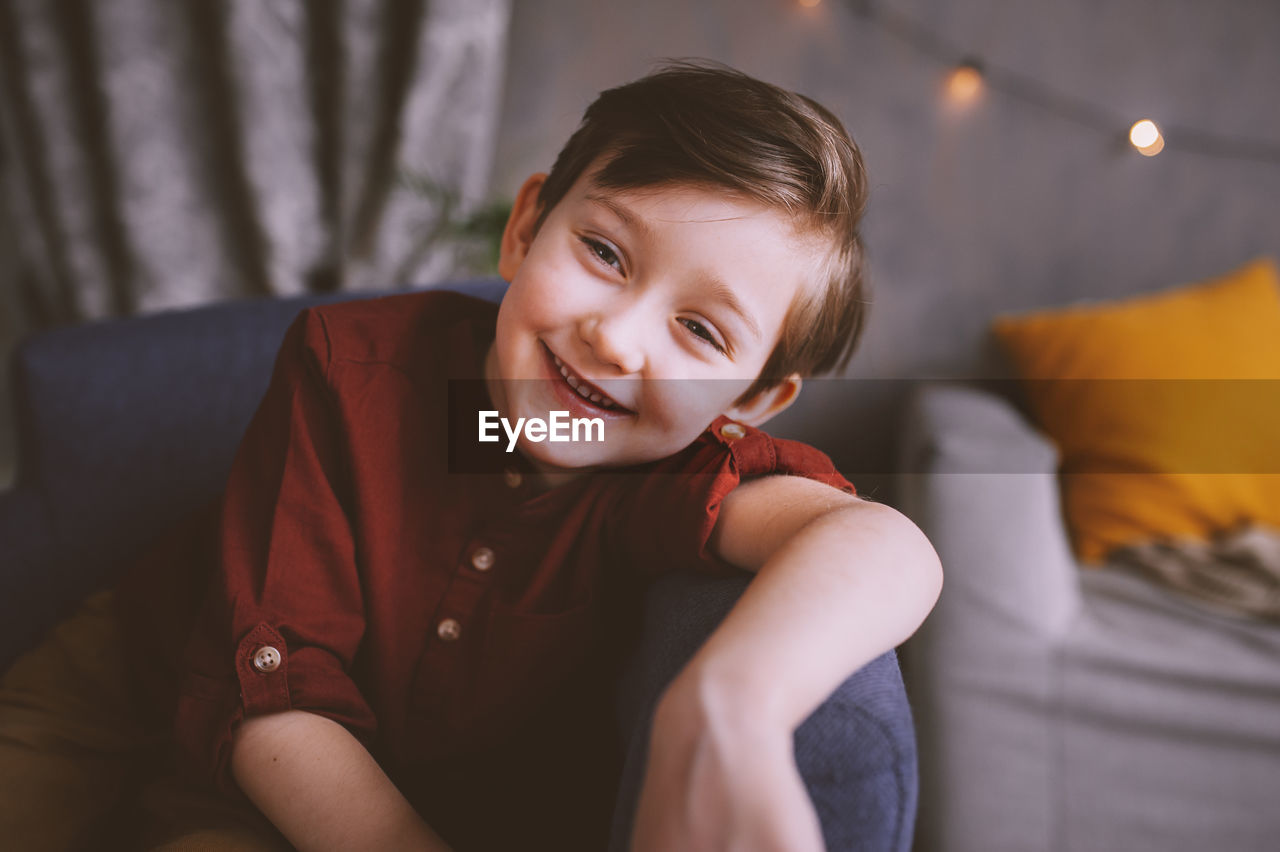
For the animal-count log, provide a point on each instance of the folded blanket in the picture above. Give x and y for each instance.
(1239, 570)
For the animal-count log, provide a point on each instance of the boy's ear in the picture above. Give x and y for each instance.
(768, 403)
(519, 233)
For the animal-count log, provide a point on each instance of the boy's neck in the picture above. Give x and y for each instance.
(544, 481)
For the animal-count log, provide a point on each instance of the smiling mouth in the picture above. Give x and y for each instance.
(585, 389)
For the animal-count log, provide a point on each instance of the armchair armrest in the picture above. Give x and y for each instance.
(983, 485)
(983, 671)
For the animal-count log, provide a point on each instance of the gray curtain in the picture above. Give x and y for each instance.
(165, 153)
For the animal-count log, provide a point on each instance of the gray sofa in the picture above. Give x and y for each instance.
(1068, 710)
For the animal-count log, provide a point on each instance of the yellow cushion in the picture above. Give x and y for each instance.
(1155, 404)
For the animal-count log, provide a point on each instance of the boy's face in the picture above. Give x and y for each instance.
(666, 302)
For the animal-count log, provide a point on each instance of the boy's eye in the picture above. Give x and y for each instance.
(603, 252)
(701, 332)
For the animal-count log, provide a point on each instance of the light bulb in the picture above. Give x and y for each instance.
(809, 4)
(964, 83)
(1145, 136)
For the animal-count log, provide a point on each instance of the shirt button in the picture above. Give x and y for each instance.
(482, 559)
(266, 659)
(449, 629)
(512, 477)
(732, 431)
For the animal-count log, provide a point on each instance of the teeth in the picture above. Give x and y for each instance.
(581, 387)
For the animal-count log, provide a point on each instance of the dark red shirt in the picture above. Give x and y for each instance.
(352, 574)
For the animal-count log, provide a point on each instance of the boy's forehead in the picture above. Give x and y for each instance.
(629, 204)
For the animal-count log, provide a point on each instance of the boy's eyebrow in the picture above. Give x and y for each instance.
(723, 293)
(628, 218)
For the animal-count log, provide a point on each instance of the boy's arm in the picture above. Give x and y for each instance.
(840, 581)
(321, 787)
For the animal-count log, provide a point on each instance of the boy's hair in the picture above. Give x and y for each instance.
(705, 123)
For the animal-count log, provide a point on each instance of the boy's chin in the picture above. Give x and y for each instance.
(587, 457)
(579, 457)
(563, 458)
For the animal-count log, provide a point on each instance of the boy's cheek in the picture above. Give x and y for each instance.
(700, 399)
(535, 308)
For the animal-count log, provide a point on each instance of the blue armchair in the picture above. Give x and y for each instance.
(127, 427)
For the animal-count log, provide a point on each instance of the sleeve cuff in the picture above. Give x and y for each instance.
(262, 666)
(270, 680)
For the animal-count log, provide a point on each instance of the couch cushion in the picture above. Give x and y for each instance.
(1165, 408)
(1169, 727)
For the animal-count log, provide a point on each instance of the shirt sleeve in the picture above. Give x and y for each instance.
(667, 524)
(284, 615)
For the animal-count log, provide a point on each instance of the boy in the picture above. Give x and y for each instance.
(379, 615)
(659, 285)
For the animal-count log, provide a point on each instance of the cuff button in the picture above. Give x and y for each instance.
(266, 659)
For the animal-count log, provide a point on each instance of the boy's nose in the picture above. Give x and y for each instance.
(614, 339)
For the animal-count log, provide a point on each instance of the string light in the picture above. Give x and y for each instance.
(964, 83)
(1145, 136)
(969, 77)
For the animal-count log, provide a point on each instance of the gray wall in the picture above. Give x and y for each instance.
(1001, 207)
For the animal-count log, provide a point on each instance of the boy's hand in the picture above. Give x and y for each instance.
(840, 581)
(719, 779)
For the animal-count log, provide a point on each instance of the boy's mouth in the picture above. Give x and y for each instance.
(588, 392)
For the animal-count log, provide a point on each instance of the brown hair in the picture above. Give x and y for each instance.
(706, 123)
